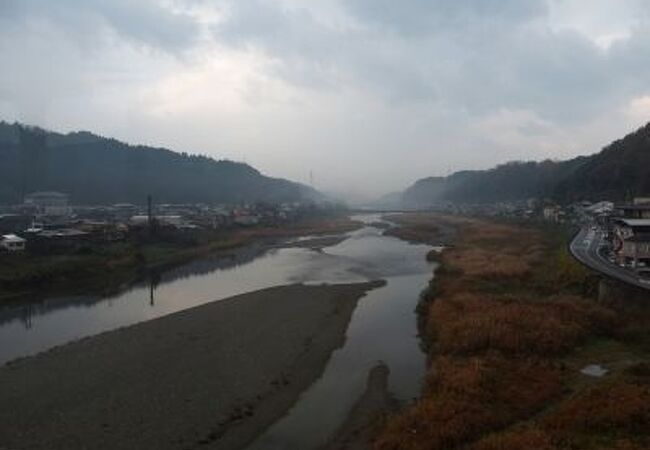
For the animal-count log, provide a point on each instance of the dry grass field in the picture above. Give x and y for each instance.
(509, 322)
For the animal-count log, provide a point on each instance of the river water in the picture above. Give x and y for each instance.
(383, 327)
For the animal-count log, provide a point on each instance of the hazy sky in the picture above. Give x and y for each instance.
(368, 94)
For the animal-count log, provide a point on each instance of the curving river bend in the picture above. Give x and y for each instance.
(383, 327)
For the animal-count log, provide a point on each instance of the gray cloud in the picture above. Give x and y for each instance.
(476, 55)
(418, 17)
(145, 22)
(420, 85)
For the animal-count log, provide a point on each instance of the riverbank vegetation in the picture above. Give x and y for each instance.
(114, 264)
(510, 323)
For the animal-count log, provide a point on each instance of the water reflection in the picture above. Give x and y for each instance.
(48, 322)
(382, 328)
(44, 305)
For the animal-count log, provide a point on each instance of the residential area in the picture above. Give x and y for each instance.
(49, 223)
(627, 232)
(615, 240)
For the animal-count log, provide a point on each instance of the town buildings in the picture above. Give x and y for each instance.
(46, 222)
(49, 203)
(638, 209)
(12, 243)
(629, 230)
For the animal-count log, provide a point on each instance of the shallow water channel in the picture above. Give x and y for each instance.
(383, 327)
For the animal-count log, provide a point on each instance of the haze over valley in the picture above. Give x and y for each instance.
(324, 225)
(346, 91)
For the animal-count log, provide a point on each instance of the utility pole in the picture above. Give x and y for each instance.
(150, 214)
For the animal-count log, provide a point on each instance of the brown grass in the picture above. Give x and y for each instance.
(431, 229)
(503, 316)
(616, 406)
(529, 438)
(465, 398)
(611, 415)
(471, 323)
(320, 226)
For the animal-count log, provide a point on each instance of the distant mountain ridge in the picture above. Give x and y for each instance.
(98, 170)
(621, 170)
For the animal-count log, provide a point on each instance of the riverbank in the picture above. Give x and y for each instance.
(216, 374)
(522, 351)
(120, 264)
(417, 228)
(366, 416)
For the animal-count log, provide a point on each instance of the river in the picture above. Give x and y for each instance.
(383, 327)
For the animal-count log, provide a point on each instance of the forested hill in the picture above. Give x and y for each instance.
(619, 171)
(94, 170)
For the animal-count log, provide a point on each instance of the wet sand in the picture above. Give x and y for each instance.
(213, 376)
(315, 243)
(375, 404)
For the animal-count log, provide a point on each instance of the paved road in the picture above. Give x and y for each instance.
(586, 246)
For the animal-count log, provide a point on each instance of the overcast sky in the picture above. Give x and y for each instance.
(368, 94)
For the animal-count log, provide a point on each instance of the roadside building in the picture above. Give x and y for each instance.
(12, 243)
(600, 212)
(247, 220)
(167, 220)
(600, 208)
(638, 209)
(631, 243)
(49, 203)
(221, 217)
(553, 213)
(62, 240)
(102, 231)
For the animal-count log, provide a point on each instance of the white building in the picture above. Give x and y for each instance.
(49, 203)
(247, 219)
(12, 243)
(552, 213)
(169, 220)
(600, 208)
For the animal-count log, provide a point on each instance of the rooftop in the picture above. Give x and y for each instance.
(634, 222)
(65, 232)
(12, 238)
(638, 207)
